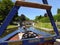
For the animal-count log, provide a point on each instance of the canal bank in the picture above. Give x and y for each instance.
(51, 31)
(9, 30)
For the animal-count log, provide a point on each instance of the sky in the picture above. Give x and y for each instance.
(33, 12)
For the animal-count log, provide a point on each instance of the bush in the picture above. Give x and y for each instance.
(45, 19)
(57, 17)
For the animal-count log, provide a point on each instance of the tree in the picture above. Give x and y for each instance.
(23, 18)
(27, 18)
(58, 11)
(5, 7)
(57, 17)
(37, 18)
(45, 20)
(45, 15)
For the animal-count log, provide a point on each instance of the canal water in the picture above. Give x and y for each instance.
(29, 29)
(35, 30)
(39, 31)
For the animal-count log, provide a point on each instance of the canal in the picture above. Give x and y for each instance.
(44, 34)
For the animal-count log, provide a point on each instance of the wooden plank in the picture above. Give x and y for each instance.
(33, 5)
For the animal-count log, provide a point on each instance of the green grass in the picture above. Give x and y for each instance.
(11, 26)
(10, 29)
(44, 25)
(38, 25)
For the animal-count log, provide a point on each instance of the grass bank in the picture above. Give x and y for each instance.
(9, 30)
(46, 27)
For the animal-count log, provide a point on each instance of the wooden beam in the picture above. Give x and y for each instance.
(33, 5)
